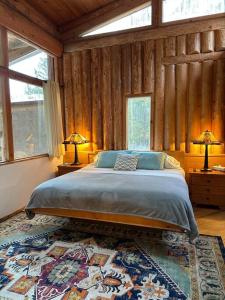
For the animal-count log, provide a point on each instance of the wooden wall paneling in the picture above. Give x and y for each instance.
(194, 43)
(169, 116)
(148, 66)
(86, 93)
(77, 89)
(206, 95)
(126, 68)
(97, 130)
(220, 39)
(207, 41)
(68, 94)
(108, 135)
(136, 53)
(117, 97)
(170, 46)
(193, 104)
(181, 45)
(159, 96)
(181, 103)
(218, 109)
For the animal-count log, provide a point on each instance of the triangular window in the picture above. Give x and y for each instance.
(140, 18)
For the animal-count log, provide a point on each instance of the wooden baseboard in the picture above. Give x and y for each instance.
(11, 215)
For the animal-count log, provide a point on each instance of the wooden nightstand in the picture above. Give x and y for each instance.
(67, 168)
(207, 187)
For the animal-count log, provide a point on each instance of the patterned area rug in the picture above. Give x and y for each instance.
(57, 258)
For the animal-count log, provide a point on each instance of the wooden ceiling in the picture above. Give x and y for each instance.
(64, 11)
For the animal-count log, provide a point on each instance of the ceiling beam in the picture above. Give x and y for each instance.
(103, 15)
(17, 23)
(146, 34)
(28, 11)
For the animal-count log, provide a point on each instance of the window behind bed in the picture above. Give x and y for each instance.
(138, 123)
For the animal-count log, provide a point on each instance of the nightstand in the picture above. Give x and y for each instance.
(67, 168)
(207, 187)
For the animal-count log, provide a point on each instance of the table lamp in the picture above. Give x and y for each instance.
(75, 139)
(206, 138)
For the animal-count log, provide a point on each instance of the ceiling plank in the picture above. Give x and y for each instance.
(17, 23)
(145, 34)
(28, 11)
(20, 52)
(100, 16)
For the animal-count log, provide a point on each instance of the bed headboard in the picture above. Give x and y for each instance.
(178, 155)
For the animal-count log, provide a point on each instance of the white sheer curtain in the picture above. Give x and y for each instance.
(53, 118)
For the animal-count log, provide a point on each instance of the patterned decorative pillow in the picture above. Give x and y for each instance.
(126, 162)
(171, 163)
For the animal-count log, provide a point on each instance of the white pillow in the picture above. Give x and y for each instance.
(171, 163)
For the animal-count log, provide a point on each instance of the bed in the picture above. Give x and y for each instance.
(150, 198)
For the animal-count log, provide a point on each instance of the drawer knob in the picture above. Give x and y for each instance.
(207, 198)
(208, 180)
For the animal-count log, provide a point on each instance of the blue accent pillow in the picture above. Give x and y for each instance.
(107, 159)
(150, 160)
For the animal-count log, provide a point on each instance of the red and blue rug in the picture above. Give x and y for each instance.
(61, 259)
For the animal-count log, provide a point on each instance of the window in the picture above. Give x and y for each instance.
(138, 123)
(21, 91)
(136, 19)
(184, 9)
(29, 127)
(26, 59)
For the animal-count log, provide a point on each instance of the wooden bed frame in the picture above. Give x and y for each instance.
(114, 218)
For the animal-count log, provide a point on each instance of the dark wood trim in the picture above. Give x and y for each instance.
(5, 163)
(156, 13)
(6, 105)
(12, 214)
(20, 77)
(146, 34)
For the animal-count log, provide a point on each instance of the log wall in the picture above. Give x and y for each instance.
(183, 74)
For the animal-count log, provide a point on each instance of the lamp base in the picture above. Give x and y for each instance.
(206, 170)
(75, 163)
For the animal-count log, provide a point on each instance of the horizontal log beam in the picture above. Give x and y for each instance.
(28, 11)
(193, 58)
(17, 23)
(101, 16)
(146, 34)
(20, 77)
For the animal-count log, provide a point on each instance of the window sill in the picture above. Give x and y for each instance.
(22, 159)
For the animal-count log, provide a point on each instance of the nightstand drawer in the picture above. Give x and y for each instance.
(208, 189)
(198, 198)
(212, 180)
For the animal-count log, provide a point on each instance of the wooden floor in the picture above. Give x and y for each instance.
(210, 221)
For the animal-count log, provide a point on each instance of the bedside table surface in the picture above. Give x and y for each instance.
(199, 172)
(69, 166)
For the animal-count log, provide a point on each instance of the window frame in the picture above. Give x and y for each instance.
(187, 20)
(6, 74)
(125, 117)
